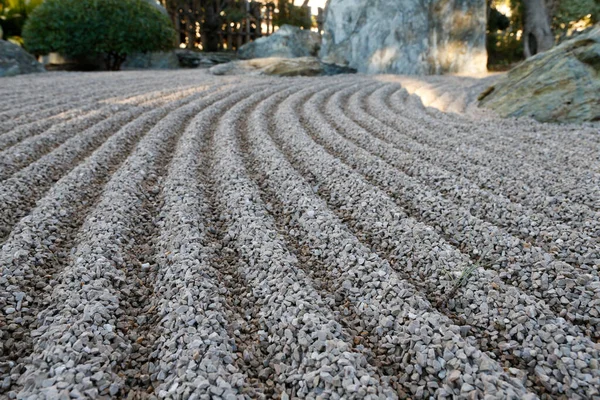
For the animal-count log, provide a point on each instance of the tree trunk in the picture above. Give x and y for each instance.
(537, 34)
(113, 61)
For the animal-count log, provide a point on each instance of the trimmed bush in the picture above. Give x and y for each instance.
(108, 28)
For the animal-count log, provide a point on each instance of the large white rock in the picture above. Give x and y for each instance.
(413, 37)
(289, 42)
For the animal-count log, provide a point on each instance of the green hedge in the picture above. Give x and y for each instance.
(108, 28)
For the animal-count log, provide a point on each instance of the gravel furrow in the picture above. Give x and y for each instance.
(195, 354)
(90, 329)
(406, 136)
(31, 149)
(423, 348)
(521, 330)
(178, 235)
(35, 128)
(76, 99)
(563, 241)
(38, 88)
(20, 192)
(39, 112)
(306, 352)
(542, 140)
(517, 262)
(39, 245)
(543, 162)
(36, 92)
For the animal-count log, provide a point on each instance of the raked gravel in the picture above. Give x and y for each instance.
(175, 235)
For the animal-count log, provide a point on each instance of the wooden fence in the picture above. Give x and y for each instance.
(257, 22)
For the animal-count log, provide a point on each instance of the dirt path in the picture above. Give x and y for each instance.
(178, 235)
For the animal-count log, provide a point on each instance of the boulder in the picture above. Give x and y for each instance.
(278, 66)
(411, 37)
(15, 61)
(288, 42)
(155, 60)
(559, 85)
(197, 59)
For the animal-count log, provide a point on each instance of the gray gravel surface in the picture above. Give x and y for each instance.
(175, 235)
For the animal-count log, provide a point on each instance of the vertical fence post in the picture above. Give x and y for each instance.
(258, 16)
(268, 19)
(247, 4)
(229, 38)
(239, 35)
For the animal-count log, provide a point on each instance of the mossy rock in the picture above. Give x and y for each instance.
(559, 85)
(276, 66)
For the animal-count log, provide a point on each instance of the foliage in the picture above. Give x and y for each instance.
(290, 14)
(109, 28)
(13, 14)
(574, 15)
(209, 20)
(504, 43)
(235, 11)
(211, 16)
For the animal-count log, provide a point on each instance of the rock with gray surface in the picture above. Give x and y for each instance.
(278, 66)
(560, 85)
(16, 61)
(288, 42)
(198, 59)
(407, 36)
(154, 60)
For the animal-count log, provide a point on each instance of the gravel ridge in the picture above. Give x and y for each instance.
(176, 235)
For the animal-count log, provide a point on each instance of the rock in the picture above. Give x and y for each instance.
(154, 60)
(406, 36)
(195, 59)
(334, 69)
(288, 42)
(559, 85)
(302, 66)
(16, 61)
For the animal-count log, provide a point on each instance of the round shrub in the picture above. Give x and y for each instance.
(108, 28)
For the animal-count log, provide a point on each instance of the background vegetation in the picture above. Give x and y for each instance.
(200, 24)
(13, 14)
(111, 29)
(203, 23)
(505, 26)
(291, 14)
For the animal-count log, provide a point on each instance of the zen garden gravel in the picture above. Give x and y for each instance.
(175, 235)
